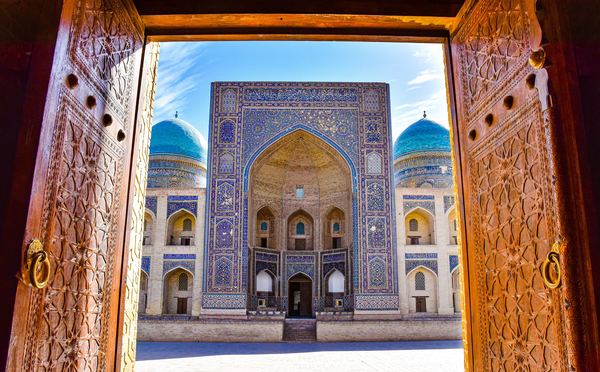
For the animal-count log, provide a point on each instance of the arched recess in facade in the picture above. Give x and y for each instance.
(420, 227)
(300, 197)
(178, 285)
(181, 227)
(422, 283)
(300, 173)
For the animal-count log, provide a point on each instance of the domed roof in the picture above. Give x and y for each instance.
(422, 136)
(175, 137)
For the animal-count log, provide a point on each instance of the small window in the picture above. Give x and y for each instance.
(263, 242)
(336, 227)
(299, 191)
(336, 243)
(186, 241)
(183, 282)
(187, 225)
(419, 281)
(413, 225)
(454, 225)
(145, 224)
(264, 226)
(414, 240)
(300, 228)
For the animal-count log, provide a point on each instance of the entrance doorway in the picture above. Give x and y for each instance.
(482, 156)
(300, 296)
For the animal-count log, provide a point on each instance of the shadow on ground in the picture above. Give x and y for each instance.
(170, 350)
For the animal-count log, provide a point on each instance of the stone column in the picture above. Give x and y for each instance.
(442, 241)
(155, 281)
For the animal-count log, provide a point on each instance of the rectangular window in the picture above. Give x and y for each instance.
(336, 243)
(186, 241)
(414, 240)
(263, 242)
(299, 191)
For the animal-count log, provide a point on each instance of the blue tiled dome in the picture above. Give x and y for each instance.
(422, 136)
(176, 137)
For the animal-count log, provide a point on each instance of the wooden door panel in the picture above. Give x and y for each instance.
(80, 187)
(509, 197)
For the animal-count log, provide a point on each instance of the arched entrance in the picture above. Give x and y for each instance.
(300, 296)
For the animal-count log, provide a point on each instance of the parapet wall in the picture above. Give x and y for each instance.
(220, 330)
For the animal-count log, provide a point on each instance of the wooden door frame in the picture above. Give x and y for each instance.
(336, 27)
(334, 23)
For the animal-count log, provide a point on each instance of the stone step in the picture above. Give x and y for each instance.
(300, 330)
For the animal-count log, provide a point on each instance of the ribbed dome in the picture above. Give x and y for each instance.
(422, 136)
(175, 137)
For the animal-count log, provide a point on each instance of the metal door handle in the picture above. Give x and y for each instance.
(36, 272)
(551, 272)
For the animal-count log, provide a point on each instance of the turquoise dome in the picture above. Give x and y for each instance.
(422, 136)
(175, 137)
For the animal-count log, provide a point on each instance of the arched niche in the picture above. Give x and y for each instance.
(300, 229)
(334, 229)
(143, 303)
(181, 228)
(456, 290)
(177, 292)
(452, 227)
(148, 228)
(419, 225)
(265, 283)
(266, 236)
(336, 283)
(300, 171)
(422, 290)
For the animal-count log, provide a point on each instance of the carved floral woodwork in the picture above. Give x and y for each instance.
(71, 324)
(517, 321)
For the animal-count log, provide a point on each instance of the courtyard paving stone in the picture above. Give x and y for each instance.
(406, 356)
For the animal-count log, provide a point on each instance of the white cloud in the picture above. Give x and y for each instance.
(178, 75)
(425, 76)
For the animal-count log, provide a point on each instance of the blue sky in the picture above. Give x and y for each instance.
(415, 73)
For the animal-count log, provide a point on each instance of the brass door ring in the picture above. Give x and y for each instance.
(552, 261)
(40, 264)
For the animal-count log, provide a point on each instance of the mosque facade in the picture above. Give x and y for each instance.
(299, 205)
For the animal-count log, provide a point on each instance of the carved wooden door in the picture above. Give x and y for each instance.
(79, 196)
(512, 236)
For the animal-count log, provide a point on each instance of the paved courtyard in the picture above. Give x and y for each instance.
(408, 356)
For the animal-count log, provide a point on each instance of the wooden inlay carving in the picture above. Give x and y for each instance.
(72, 324)
(511, 211)
(132, 286)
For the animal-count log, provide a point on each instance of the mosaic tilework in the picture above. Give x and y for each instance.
(431, 264)
(179, 256)
(453, 261)
(351, 117)
(264, 260)
(169, 265)
(376, 302)
(300, 263)
(413, 256)
(332, 261)
(223, 301)
(377, 275)
(175, 173)
(374, 163)
(375, 196)
(178, 202)
(410, 204)
(146, 264)
(448, 202)
(151, 203)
